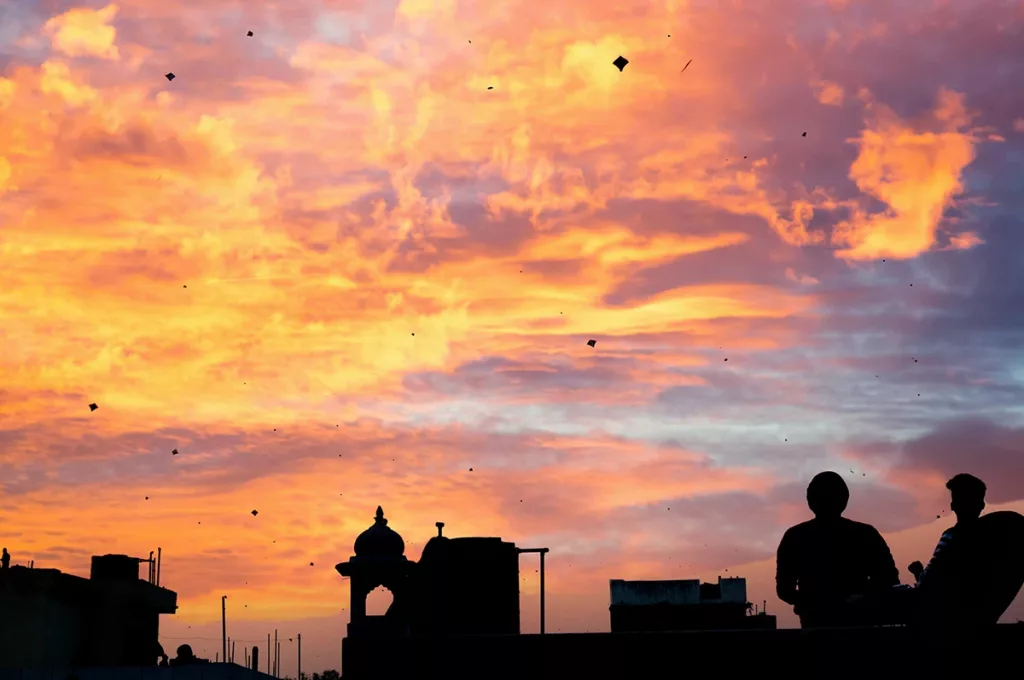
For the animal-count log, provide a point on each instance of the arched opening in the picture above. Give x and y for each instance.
(378, 601)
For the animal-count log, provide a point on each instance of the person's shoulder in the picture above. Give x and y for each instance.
(797, 530)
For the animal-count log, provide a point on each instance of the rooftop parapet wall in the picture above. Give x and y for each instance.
(681, 592)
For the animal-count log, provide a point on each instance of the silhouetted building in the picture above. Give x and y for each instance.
(52, 619)
(468, 586)
(460, 586)
(648, 606)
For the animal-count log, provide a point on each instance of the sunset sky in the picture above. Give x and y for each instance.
(334, 268)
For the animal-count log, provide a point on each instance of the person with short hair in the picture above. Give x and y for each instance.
(967, 502)
(827, 562)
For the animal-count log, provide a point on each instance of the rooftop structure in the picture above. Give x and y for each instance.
(51, 619)
(648, 606)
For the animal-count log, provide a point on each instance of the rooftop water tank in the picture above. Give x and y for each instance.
(114, 568)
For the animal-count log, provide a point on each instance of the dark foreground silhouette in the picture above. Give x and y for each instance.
(185, 657)
(977, 568)
(840, 573)
(826, 562)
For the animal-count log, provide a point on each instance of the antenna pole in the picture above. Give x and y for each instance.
(224, 624)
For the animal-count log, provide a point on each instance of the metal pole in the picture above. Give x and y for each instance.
(269, 657)
(232, 652)
(542, 603)
(299, 670)
(159, 556)
(150, 579)
(277, 654)
(224, 624)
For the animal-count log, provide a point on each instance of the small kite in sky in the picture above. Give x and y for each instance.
(592, 342)
(621, 62)
(249, 34)
(169, 76)
(687, 66)
(174, 452)
(254, 513)
(93, 407)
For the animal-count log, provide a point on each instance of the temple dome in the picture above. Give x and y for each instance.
(379, 540)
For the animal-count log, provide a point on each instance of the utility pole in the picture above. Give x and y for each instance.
(232, 651)
(224, 624)
(277, 654)
(299, 671)
(269, 657)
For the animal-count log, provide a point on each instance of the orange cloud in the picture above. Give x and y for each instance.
(964, 241)
(917, 174)
(84, 32)
(828, 93)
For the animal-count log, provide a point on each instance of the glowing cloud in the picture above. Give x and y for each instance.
(915, 173)
(83, 32)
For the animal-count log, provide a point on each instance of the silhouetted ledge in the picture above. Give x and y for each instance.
(883, 652)
(210, 671)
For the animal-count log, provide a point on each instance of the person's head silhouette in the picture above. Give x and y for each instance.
(827, 495)
(185, 652)
(968, 496)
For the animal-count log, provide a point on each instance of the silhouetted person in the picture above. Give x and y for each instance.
(5, 560)
(161, 655)
(185, 657)
(916, 569)
(967, 502)
(977, 568)
(824, 562)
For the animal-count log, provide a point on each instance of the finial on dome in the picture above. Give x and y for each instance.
(379, 540)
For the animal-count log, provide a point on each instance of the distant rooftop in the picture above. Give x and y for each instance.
(729, 590)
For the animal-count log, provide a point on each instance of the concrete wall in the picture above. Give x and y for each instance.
(37, 630)
(734, 590)
(655, 592)
(213, 671)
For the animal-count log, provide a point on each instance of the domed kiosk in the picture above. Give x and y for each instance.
(379, 560)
